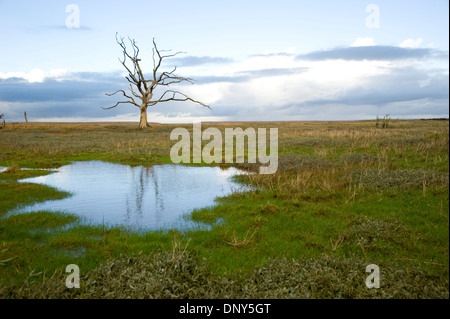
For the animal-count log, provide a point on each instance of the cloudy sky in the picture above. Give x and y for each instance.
(252, 60)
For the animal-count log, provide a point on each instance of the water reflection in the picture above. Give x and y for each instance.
(154, 197)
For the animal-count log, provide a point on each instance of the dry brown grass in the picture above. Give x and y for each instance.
(244, 242)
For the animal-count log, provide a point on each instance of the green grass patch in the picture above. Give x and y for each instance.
(14, 194)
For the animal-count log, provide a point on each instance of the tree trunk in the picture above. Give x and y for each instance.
(143, 122)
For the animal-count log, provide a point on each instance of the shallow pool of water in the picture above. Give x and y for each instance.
(150, 198)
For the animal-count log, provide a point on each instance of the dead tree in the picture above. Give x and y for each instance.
(2, 119)
(142, 89)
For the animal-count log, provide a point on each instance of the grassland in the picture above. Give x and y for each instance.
(346, 195)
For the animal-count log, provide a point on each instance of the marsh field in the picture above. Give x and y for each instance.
(346, 195)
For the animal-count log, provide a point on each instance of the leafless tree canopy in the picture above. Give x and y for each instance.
(142, 89)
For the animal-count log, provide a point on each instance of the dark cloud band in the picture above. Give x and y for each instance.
(367, 53)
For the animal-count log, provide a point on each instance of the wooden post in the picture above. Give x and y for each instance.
(26, 120)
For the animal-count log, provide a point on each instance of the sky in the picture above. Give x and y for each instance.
(251, 60)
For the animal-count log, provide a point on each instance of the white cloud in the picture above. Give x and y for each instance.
(290, 50)
(182, 118)
(36, 75)
(318, 80)
(177, 118)
(266, 61)
(411, 43)
(363, 42)
(325, 89)
(207, 93)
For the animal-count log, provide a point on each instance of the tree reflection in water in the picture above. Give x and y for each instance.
(148, 197)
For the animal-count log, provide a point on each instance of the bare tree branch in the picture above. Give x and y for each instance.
(174, 98)
(124, 94)
(132, 92)
(110, 107)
